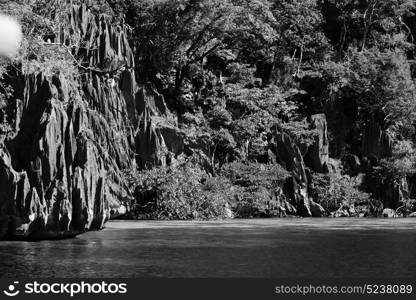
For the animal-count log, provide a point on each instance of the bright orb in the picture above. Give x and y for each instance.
(10, 36)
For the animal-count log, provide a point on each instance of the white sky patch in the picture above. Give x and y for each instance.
(10, 36)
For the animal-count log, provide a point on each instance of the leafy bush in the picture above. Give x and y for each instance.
(254, 202)
(381, 85)
(335, 192)
(254, 174)
(240, 73)
(251, 100)
(185, 192)
(180, 193)
(50, 60)
(256, 188)
(394, 171)
(41, 19)
(219, 117)
(300, 131)
(251, 126)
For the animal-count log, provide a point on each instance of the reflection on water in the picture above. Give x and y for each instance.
(272, 248)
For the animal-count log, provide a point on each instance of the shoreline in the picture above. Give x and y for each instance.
(309, 223)
(323, 223)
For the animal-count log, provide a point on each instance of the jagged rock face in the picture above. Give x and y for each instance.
(318, 153)
(147, 99)
(290, 157)
(376, 143)
(150, 145)
(351, 164)
(393, 193)
(61, 172)
(296, 157)
(158, 138)
(105, 46)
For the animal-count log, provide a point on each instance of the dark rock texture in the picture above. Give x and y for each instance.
(297, 157)
(318, 153)
(376, 143)
(289, 156)
(157, 137)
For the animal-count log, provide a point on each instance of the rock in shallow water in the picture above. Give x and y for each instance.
(388, 213)
(317, 210)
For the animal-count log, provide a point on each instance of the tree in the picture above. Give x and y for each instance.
(367, 23)
(172, 35)
(301, 35)
(381, 85)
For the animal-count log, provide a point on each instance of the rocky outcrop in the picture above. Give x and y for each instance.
(318, 153)
(351, 164)
(393, 192)
(61, 172)
(295, 157)
(147, 99)
(376, 143)
(158, 139)
(104, 46)
(388, 213)
(150, 145)
(289, 156)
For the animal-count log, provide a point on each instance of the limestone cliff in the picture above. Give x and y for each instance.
(61, 170)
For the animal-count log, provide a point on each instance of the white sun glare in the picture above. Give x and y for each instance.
(10, 36)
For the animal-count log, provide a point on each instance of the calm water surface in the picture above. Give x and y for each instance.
(273, 248)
